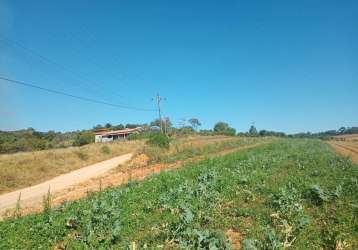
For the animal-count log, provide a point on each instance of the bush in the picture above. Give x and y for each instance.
(83, 139)
(105, 150)
(82, 155)
(140, 136)
(159, 140)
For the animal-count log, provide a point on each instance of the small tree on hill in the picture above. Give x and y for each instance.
(221, 126)
(195, 123)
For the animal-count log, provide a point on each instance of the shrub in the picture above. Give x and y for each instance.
(105, 150)
(159, 140)
(82, 155)
(83, 139)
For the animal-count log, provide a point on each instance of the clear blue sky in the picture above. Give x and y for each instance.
(287, 65)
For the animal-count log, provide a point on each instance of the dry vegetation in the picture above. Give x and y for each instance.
(348, 148)
(350, 137)
(24, 169)
(28, 168)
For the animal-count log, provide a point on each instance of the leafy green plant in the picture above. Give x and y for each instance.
(317, 195)
(159, 140)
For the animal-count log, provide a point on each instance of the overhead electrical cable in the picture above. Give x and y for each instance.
(71, 95)
(83, 79)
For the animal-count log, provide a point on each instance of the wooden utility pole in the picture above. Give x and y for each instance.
(158, 100)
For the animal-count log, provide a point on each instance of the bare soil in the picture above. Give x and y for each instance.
(346, 148)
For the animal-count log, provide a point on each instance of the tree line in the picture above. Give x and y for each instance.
(32, 140)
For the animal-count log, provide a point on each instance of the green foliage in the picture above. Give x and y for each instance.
(224, 129)
(32, 140)
(140, 136)
(159, 140)
(83, 138)
(221, 126)
(195, 123)
(319, 196)
(105, 150)
(253, 131)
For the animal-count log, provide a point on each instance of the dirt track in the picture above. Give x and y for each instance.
(34, 194)
(346, 149)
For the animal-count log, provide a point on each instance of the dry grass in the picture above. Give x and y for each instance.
(24, 169)
(351, 137)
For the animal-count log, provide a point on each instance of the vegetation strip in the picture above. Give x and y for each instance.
(289, 194)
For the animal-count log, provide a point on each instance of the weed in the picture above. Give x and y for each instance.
(105, 150)
(82, 155)
(159, 140)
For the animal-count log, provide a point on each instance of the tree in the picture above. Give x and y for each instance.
(108, 125)
(156, 122)
(253, 130)
(119, 127)
(195, 123)
(224, 128)
(341, 130)
(99, 126)
(166, 123)
(221, 126)
(83, 138)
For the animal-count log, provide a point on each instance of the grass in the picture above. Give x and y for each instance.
(294, 194)
(184, 149)
(24, 169)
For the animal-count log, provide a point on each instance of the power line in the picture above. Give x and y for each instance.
(85, 80)
(71, 95)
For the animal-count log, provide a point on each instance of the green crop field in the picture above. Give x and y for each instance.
(291, 193)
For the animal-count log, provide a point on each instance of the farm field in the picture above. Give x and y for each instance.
(140, 166)
(24, 169)
(291, 193)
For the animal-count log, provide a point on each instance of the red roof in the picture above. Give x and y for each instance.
(118, 132)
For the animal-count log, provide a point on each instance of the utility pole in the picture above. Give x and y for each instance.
(158, 100)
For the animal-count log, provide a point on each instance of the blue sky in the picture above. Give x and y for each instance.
(286, 65)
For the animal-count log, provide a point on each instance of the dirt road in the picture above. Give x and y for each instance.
(35, 193)
(346, 148)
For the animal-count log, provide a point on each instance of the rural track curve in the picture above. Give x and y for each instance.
(35, 193)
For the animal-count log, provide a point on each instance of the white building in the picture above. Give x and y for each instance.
(104, 135)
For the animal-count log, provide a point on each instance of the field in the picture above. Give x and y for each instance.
(140, 166)
(24, 169)
(291, 193)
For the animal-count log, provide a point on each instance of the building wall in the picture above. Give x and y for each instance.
(102, 138)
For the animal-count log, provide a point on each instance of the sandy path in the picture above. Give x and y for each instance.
(35, 193)
(346, 149)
